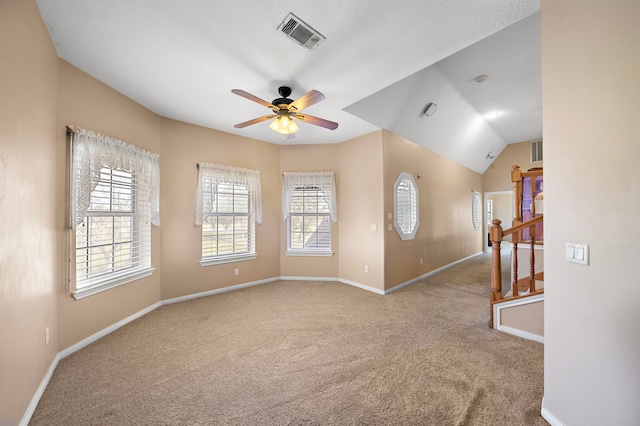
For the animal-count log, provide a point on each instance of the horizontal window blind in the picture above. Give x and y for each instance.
(476, 210)
(113, 238)
(227, 227)
(406, 206)
(309, 220)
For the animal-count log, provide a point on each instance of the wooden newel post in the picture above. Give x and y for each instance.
(495, 234)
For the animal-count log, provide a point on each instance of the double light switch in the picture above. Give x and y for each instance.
(578, 253)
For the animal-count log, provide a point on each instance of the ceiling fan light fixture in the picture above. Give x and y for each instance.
(284, 124)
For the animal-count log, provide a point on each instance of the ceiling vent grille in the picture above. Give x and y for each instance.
(300, 32)
(536, 151)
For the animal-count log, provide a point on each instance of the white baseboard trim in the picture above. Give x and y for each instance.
(362, 286)
(521, 333)
(294, 278)
(549, 417)
(26, 418)
(81, 344)
(218, 291)
(428, 274)
(334, 279)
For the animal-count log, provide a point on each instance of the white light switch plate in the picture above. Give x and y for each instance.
(577, 253)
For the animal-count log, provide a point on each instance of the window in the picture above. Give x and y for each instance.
(228, 207)
(308, 206)
(476, 210)
(113, 188)
(405, 201)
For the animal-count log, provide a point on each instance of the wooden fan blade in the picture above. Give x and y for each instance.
(253, 98)
(306, 100)
(254, 121)
(317, 121)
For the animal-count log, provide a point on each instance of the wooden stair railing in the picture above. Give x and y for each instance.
(496, 235)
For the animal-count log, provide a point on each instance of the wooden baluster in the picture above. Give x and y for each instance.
(532, 261)
(514, 285)
(532, 236)
(495, 234)
(516, 179)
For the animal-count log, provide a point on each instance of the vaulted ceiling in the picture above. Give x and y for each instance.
(382, 62)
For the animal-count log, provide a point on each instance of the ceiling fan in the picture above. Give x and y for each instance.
(285, 110)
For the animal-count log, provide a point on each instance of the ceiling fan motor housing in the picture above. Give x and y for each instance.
(284, 91)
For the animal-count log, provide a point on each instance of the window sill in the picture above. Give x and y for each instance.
(308, 253)
(110, 283)
(228, 259)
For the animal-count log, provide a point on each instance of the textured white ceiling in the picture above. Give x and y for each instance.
(181, 59)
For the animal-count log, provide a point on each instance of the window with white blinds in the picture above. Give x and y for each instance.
(114, 200)
(476, 210)
(405, 200)
(227, 229)
(309, 207)
(113, 240)
(228, 205)
(309, 224)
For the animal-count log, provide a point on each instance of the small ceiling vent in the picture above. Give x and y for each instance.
(300, 32)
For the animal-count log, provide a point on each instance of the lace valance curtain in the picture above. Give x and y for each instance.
(91, 152)
(324, 181)
(211, 175)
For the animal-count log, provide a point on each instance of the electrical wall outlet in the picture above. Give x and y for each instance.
(421, 262)
(46, 336)
(366, 268)
(236, 272)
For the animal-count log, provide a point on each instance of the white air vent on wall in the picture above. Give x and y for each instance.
(300, 32)
(536, 151)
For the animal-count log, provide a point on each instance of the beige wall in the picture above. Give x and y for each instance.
(183, 146)
(303, 158)
(87, 103)
(528, 317)
(28, 220)
(360, 196)
(446, 232)
(591, 87)
(503, 210)
(498, 176)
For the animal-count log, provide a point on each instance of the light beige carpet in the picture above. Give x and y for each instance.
(308, 353)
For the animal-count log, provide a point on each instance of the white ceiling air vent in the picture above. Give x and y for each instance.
(300, 32)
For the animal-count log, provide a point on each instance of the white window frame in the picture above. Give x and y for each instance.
(294, 185)
(406, 207)
(210, 178)
(93, 155)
